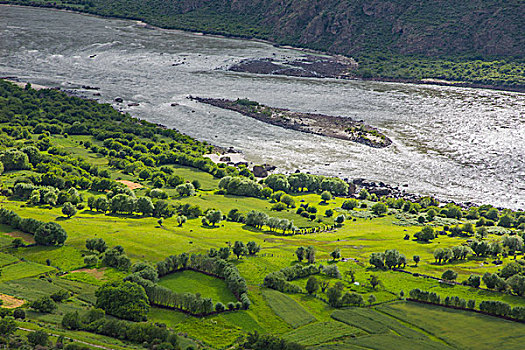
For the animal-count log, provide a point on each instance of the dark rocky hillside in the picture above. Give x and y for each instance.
(426, 27)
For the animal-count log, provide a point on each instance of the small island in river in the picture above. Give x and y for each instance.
(344, 128)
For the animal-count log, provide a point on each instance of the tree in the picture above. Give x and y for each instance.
(96, 244)
(125, 300)
(8, 326)
(44, 305)
(312, 285)
(69, 209)
(349, 204)
(224, 253)
(145, 206)
(253, 248)
(214, 216)
(473, 281)
(379, 209)
(334, 296)
(13, 159)
(38, 338)
(416, 259)
(300, 253)
(517, 284)
(363, 194)
(50, 234)
(181, 219)
(377, 260)
(426, 234)
(371, 299)
(239, 249)
(392, 258)
(288, 200)
(351, 274)
(336, 254)
(71, 320)
(374, 281)
(90, 260)
(513, 243)
(326, 196)
(19, 314)
(449, 275)
(324, 285)
(340, 219)
(310, 254)
(185, 190)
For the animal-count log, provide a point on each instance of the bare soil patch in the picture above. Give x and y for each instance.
(130, 185)
(97, 273)
(11, 302)
(26, 237)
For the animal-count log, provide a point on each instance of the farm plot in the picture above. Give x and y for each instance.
(319, 333)
(477, 331)
(287, 308)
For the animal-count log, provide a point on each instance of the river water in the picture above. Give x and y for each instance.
(456, 143)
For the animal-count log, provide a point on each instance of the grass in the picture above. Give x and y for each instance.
(65, 258)
(288, 309)
(22, 270)
(195, 282)
(319, 333)
(462, 329)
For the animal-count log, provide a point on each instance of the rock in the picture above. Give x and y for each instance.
(174, 104)
(96, 94)
(134, 104)
(119, 100)
(225, 159)
(259, 171)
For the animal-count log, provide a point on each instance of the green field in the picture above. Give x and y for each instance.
(36, 271)
(192, 282)
(476, 331)
(286, 308)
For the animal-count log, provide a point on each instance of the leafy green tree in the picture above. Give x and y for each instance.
(363, 194)
(416, 259)
(96, 244)
(374, 281)
(13, 159)
(185, 190)
(449, 275)
(224, 253)
(336, 254)
(71, 320)
(50, 233)
(181, 219)
(214, 216)
(350, 204)
(371, 299)
(38, 338)
(379, 209)
(377, 260)
(69, 209)
(310, 254)
(473, 281)
(340, 219)
(253, 248)
(517, 284)
(426, 234)
(8, 326)
(125, 300)
(44, 305)
(326, 196)
(312, 285)
(288, 200)
(334, 296)
(90, 260)
(239, 249)
(300, 253)
(145, 206)
(392, 258)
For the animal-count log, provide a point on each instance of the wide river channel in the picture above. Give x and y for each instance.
(456, 143)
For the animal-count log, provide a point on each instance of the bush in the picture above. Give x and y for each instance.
(379, 209)
(44, 305)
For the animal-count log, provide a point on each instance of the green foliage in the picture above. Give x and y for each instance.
(125, 300)
(44, 305)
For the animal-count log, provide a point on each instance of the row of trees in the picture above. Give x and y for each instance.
(492, 307)
(389, 259)
(139, 333)
(49, 233)
(203, 263)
